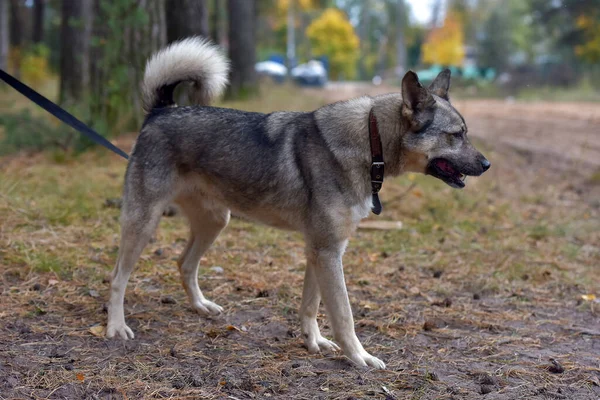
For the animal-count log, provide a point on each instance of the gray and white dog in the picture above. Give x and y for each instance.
(303, 171)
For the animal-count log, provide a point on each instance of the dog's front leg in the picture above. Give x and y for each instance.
(330, 277)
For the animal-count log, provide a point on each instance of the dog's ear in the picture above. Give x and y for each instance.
(414, 95)
(441, 84)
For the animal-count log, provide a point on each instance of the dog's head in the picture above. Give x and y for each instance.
(435, 141)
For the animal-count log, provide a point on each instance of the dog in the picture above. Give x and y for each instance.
(303, 171)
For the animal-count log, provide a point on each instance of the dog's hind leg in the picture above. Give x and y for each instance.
(138, 222)
(205, 226)
(311, 297)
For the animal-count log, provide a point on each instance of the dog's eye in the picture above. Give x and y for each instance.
(457, 135)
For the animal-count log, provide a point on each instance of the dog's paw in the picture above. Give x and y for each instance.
(207, 307)
(318, 344)
(363, 359)
(121, 330)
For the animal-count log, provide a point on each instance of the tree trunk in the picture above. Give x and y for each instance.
(4, 39)
(242, 48)
(363, 31)
(15, 36)
(16, 23)
(291, 35)
(39, 7)
(75, 35)
(400, 41)
(142, 42)
(186, 18)
(219, 23)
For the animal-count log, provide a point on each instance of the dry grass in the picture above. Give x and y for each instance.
(477, 292)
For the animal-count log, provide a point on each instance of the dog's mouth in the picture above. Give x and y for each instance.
(446, 171)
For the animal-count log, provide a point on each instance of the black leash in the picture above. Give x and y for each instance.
(60, 113)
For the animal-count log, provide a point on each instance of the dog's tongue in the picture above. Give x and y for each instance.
(445, 166)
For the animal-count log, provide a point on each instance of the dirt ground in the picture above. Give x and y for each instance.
(478, 296)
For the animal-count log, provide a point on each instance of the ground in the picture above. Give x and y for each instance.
(484, 292)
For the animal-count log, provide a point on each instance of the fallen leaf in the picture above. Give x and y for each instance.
(52, 282)
(233, 328)
(588, 297)
(80, 377)
(98, 330)
(373, 257)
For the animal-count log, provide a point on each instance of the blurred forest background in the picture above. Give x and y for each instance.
(90, 54)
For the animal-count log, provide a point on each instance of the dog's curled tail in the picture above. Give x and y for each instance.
(193, 59)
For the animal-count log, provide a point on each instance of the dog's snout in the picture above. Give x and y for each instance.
(485, 164)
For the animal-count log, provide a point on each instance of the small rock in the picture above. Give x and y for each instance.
(196, 380)
(168, 300)
(170, 211)
(11, 381)
(37, 287)
(447, 302)
(432, 324)
(158, 252)
(432, 376)
(556, 367)
(476, 296)
(483, 378)
(296, 365)
(437, 273)
(263, 293)
(113, 203)
(217, 270)
(178, 384)
(93, 293)
(485, 389)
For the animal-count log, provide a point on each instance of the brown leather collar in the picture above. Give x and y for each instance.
(377, 164)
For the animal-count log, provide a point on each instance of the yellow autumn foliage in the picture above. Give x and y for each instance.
(32, 65)
(590, 50)
(333, 36)
(445, 44)
(283, 5)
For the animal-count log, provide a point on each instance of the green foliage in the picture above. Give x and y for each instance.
(495, 44)
(22, 131)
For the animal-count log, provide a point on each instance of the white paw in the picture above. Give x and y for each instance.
(207, 307)
(120, 329)
(363, 359)
(318, 344)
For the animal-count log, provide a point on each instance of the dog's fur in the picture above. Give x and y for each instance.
(307, 172)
